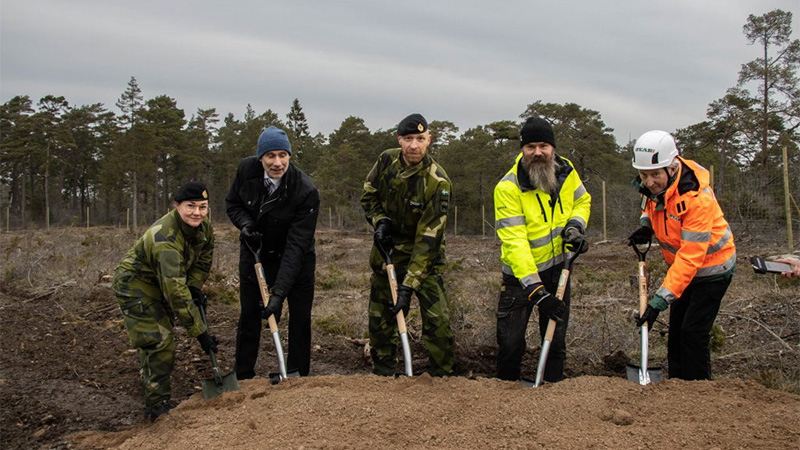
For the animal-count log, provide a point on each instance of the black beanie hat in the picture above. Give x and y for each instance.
(536, 129)
(193, 190)
(413, 124)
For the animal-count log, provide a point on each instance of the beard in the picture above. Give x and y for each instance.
(542, 171)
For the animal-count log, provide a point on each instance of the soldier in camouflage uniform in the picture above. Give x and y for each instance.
(406, 196)
(160, 278)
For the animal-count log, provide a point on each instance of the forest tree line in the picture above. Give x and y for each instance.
(65, 158)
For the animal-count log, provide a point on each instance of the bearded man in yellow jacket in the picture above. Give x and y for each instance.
(679, 208)
(540, 208)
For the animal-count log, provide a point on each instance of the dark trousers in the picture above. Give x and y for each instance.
(513, 313)
(690, 320)
(248, 333)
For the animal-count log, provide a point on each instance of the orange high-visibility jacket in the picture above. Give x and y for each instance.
(695, 238)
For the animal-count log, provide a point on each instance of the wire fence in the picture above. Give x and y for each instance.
(762, 206)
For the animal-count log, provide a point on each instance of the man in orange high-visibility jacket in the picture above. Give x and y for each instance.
(679, 208)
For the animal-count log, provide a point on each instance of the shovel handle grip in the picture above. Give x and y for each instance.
(262, 286)
(642, 287)
(551, 330)
(562, 284)
(401, 319)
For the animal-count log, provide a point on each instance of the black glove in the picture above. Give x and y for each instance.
(650, 315)
(207, 342)
(251, 237)
(383, 235)
(642, 235)
(574, 240)
(403, 300)
(274, 307)
(199, 298)
(548, 304)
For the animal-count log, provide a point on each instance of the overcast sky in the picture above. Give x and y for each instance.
(643, 65)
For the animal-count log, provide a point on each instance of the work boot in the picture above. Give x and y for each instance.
(151, 413)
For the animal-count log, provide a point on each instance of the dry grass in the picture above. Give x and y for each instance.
(758, 334)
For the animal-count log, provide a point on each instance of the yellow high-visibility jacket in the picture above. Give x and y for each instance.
(529, 221)
(695, 238)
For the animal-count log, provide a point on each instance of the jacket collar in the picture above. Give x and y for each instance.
(407, 170)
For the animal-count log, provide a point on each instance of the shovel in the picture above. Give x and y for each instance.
(401, 320)
(213, 387)
(551, 325)
(273, 324)
(642, 374)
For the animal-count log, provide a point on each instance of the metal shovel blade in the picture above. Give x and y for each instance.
(275, 378)
(643, 374)
(213, 387)
(652, 375)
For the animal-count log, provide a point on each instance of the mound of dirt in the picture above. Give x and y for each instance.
(367, 412)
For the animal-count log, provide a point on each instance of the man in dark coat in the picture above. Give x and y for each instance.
(275, 205)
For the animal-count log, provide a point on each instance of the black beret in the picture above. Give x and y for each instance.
(536, 129)
(413, 124)
(193, 190)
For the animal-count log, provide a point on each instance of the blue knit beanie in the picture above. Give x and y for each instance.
(272, 138)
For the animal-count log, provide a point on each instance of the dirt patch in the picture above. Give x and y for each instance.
(68, 379)
(366, 412)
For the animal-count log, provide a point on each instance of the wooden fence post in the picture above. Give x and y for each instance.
(455, 222)
(787, 195)
(605, 233)
(483, 220)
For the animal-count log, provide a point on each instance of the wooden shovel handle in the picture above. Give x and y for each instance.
(401, 319)
(562, 284)
(262, 284)
(642, 287)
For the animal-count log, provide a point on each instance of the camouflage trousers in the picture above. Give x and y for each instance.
(436, 334)
(149, 324)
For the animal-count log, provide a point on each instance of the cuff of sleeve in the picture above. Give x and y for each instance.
(572, 223)
(658, 303)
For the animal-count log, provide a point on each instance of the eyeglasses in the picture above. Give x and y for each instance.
(202, 208)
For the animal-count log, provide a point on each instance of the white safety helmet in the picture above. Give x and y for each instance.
(654, 150)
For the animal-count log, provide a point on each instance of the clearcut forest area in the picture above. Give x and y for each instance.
(69, 381)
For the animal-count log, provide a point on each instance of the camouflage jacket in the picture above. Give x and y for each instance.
(164, 262)
(415, 199)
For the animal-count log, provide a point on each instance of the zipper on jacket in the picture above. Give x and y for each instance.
(666, 231)
(558, 199)
(541, 206)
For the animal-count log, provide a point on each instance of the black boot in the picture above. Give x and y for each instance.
(151, 413)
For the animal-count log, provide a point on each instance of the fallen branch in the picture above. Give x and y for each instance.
(762, 325)
(52, 290)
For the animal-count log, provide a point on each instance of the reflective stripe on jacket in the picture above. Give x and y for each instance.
(695, 238)
(529, 221)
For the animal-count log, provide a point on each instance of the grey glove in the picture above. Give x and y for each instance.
(574, 240)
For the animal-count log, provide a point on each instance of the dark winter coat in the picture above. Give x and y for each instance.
(287, 219)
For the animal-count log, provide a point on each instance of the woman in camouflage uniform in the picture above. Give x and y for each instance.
(160, 278)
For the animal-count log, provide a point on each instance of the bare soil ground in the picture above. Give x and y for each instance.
(68, 379)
